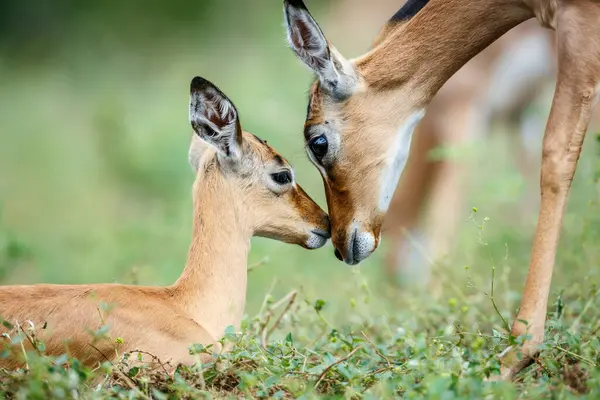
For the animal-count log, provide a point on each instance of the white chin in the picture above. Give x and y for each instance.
(315, 241)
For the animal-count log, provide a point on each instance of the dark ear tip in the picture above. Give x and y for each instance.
(295, 3)
(199, 83)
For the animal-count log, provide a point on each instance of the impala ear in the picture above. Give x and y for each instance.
(310, 45)
(214, 118)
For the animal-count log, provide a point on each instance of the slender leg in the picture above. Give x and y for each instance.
(578, 35)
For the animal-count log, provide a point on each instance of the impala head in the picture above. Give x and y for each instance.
(357, 133)
(251, 174)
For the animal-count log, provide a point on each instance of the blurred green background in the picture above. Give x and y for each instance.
(95, 185)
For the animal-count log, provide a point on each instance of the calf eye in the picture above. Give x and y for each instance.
(282, 178)
(319, 146)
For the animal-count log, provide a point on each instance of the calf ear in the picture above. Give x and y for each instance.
(214, 118)
(310, 45)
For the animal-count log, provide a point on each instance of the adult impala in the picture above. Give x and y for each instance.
(243, 188)
(421, 223)
(362, 113)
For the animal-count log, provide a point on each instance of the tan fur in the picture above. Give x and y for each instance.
(394, 87)
(577, 90)
(450, 121)
(229, 208)
(429, 201)
(403, 73)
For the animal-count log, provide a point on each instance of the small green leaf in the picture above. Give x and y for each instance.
(133, 372)
(103, 330)
(270, 381)
(329, 358)
(319, 304)
(230, 330)
(344, 371)
(196, 349)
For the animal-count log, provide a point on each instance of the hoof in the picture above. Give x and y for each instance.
(512, 361)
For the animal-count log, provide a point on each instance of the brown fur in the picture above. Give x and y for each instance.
(430, 195)
(229, 208)
(449, 122)
(406, 69)
(577, 90)
(393, 87)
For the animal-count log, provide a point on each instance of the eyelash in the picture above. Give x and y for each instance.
(282, 178)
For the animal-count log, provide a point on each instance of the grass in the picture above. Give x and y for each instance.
(290, 349)
(366, 340)
(95, 187)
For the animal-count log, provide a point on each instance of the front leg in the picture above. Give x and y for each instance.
(578, 35)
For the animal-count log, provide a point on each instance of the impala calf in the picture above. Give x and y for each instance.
(362, 113)
(243, 188)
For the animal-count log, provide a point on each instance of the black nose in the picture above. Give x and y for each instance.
(338, 255)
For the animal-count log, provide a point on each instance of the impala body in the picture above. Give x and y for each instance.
(362, 113)
(243, 188)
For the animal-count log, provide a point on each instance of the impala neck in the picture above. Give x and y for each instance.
(421, 54)
(212, 288)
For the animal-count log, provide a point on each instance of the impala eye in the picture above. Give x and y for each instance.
(282, 178)
(319, 146)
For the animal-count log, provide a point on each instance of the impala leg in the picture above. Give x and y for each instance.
(578, 35)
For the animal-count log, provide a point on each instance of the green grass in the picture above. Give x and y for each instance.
(439, 349)
(95, 187)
